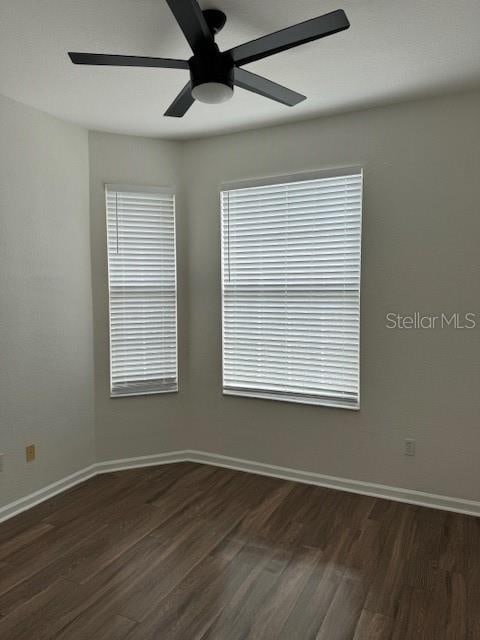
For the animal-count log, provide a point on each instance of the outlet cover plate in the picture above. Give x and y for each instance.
(30, 453)
(409, 447)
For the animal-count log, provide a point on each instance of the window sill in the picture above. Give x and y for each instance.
(319, 402)
(132, 394)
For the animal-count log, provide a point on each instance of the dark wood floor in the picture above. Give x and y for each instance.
(190, 551)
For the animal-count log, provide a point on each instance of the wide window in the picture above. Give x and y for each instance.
(142, 288)
(291, 289)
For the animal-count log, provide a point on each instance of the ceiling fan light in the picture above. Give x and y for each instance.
(212, 92)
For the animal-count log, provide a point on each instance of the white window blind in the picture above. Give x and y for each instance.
(142, 289)
(291, 290)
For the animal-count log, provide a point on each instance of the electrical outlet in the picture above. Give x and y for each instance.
(30, 453)
(409, 447)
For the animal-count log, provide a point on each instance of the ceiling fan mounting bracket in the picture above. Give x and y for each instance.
(215, 19)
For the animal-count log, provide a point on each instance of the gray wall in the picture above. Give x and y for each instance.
(420, 252)
(142, 425)
(46, 355)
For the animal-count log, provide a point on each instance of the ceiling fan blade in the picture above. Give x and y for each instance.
(192, 22)
(182, 103)
(126, 61)
(258, 84)
(290, 37)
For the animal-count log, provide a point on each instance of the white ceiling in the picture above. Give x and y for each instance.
(395, 49)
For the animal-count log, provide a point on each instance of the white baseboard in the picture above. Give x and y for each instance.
(22, 504)
(410, 496)
(143, 461)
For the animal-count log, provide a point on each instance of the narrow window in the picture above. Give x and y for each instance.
(142, 290)
(291, 290)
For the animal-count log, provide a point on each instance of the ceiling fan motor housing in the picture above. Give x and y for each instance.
(211, 67)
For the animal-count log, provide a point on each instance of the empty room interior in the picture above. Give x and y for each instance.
(239, 320)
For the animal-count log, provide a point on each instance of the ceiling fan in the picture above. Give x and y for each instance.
(213, 73)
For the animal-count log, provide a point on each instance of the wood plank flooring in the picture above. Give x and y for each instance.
(194, 552)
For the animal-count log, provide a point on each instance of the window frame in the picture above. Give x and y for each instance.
(142, 189)
(272, 180)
